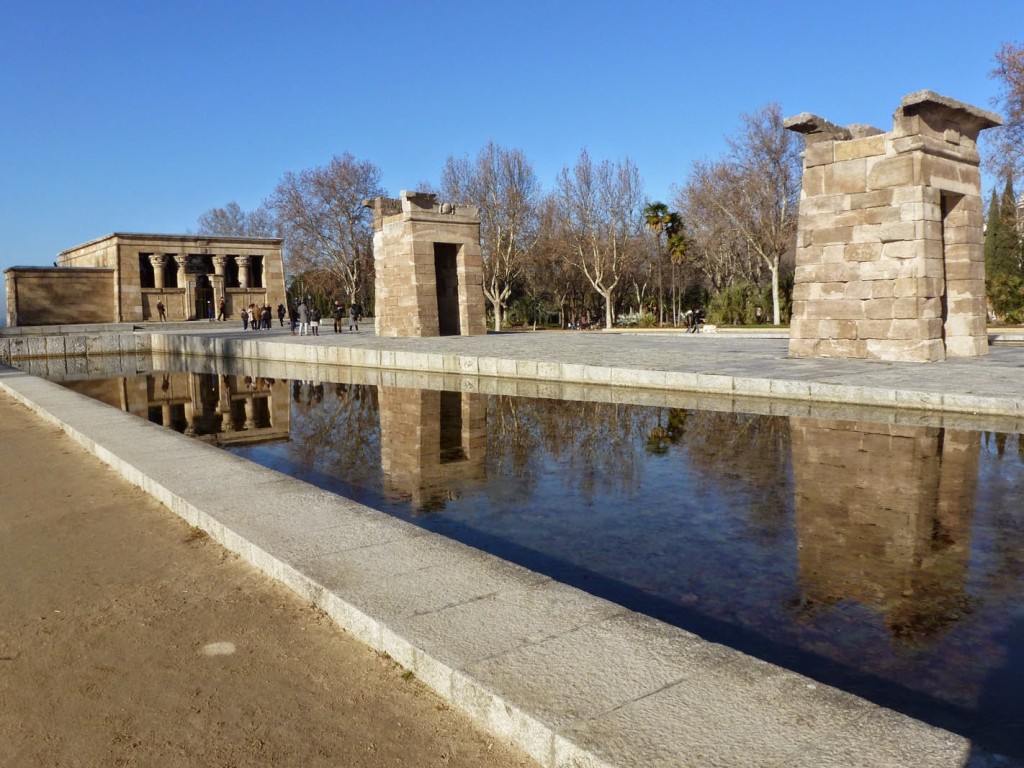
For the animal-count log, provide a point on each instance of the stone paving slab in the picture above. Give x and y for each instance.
(734, 365)
(572, 679)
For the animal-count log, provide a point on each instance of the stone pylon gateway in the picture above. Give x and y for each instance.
(890, 262)
(429, 267)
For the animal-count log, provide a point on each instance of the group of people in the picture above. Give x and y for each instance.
(257, 318)
(306, 319)
(303, 318)
(582, 324)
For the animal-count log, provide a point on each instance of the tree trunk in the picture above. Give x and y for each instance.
(775, 292)
(675, 300)
(661, 297)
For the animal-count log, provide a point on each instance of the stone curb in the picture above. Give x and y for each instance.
(575, 373)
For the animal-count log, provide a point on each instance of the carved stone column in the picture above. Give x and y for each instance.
(219, 263)
(158, 260)
(190, 297)
(243, 271)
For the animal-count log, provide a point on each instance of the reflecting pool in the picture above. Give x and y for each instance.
(880, 553)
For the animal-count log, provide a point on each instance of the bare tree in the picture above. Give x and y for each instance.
(719, 251)
(745, 204)
(327, 231)
(232, 221)
(502, 184)
(1007, 153)
(600, 208)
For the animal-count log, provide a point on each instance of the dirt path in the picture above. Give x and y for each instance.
(126, 639)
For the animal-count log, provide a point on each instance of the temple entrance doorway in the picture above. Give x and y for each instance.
(204, 297)
(447, 275)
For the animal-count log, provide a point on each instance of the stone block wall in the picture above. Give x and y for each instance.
(889, 260)
(53, 296)
(415, 293)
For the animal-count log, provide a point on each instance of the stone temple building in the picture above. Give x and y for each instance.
(122, 278)
(429, 267)
(890, 262)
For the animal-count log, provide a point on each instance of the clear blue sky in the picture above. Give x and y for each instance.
(139, 116)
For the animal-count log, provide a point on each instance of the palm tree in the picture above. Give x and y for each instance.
(656, 217)
(661, 221)
(677, 244)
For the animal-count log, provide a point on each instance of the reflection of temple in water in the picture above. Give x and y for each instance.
(432, 443)
(220, 409)
(883, 515)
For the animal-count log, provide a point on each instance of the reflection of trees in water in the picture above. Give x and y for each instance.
(669, 431)
(336, 426)
(746, 452)
(603, 446)
(597, 444)
(1005, 567)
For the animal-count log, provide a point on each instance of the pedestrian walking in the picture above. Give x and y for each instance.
(339, 316)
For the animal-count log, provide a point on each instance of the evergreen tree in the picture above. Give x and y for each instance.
(992, 226)
(1006, 246)
(1004, 266)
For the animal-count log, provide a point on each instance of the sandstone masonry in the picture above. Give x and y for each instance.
(429, 267)
(889, 259)
(123, 277)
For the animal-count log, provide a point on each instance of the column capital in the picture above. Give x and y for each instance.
(243, 271)
(158, 260)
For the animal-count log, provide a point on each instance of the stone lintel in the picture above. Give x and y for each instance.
(818, 127)
(58, 271)
(426, 202)
(382, 207)
(968, 116)
(420, 207)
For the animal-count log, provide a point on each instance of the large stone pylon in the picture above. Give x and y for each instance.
(429, 267)
(890, 262)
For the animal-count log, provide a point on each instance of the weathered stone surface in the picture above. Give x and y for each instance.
(855, 148)
(819, 154)
(429, 267)
(889, 233)
(892, 172)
